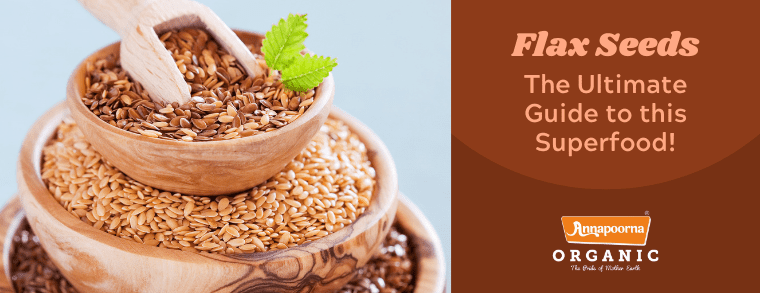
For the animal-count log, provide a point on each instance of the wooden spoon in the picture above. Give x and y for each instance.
(143, 55)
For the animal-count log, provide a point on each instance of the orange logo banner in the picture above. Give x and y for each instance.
(607, 230)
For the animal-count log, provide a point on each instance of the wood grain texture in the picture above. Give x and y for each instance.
(95, 261)
(139, 22)
(8, 226)
(198, 168)
(431, 266)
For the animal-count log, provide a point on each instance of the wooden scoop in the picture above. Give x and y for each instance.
(143, 55)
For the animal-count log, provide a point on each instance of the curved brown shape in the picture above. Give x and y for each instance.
(198, 168)
(9, 223)
(95, 261)
(431, 267)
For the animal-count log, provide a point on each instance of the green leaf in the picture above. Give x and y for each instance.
(307, 72)
(284, 41)
(282, 51)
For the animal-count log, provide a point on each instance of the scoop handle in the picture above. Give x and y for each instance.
(119, 15)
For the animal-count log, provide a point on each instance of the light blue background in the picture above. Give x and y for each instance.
(394, 74)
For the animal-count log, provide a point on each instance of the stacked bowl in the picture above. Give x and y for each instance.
(95, 261)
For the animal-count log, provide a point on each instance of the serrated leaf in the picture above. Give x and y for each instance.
(284, 41)
(307, 72)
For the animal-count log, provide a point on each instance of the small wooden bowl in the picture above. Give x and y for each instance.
(95, 261)
(430, 268)
(198, 168)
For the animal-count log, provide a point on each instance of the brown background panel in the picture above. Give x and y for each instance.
(704, 226)
(721, 98)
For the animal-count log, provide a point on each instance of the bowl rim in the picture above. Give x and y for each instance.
(384, 199)
(416, 218)
(11, 208)
(8, 246)
(322, 97)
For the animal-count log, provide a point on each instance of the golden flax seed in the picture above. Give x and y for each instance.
(325, 188)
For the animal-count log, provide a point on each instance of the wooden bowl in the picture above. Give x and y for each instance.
(11, 217)
(95, 261)
(198, 168)
(431, 267)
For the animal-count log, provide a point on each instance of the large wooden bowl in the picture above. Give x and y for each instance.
(430, 268)
(199, 168)
(95, 261)
(11, 216)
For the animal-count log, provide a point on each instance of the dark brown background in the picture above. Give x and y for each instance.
(507, 225)
(720, 100)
